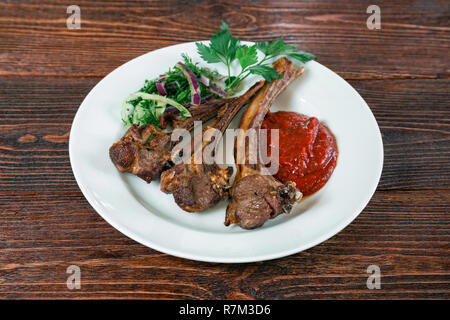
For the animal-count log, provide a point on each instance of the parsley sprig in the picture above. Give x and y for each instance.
(224, 48)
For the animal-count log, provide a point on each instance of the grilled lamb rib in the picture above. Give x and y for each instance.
(142, 151)
(256, 195)
(196, 187)
(146, 151)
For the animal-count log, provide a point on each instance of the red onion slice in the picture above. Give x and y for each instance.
(204, 80)
(160, 87)
(171, 109)
(193, 83)
(196, 99)
(206, 98)
(172, 84)
(217, 91)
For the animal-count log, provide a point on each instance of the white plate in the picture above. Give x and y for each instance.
(145, 214)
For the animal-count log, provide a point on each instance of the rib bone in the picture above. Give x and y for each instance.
(256, 195)
(196, 187)
(146, 151)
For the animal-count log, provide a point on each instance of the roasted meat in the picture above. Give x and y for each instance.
(146, 151)
(201, 112)
(196, 187)
(142, 151)
(256, 195)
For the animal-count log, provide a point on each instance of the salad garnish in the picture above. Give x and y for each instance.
(188, 84)
(184, 85)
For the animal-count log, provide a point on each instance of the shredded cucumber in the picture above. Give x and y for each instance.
(141, 115)
(148, 104)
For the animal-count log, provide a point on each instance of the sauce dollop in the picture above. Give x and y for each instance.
(307, 150)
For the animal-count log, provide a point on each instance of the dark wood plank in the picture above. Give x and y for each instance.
(42, 237)
(35, 119)
(412, 43)
(414, 118)
(47, 225)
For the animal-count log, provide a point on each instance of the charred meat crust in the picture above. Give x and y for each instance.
(202, 112)
(146, 151)
(196, 187)
(257, 196)
(142, 151)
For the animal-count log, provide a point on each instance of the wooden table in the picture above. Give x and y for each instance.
(46, 224)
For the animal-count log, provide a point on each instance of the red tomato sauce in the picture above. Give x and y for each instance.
(307, 150)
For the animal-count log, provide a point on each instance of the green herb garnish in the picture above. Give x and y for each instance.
(146, 106)
(224, 48)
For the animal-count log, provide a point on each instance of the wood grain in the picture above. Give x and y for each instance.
(410, 246)
(411, 44)
(46, 224)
